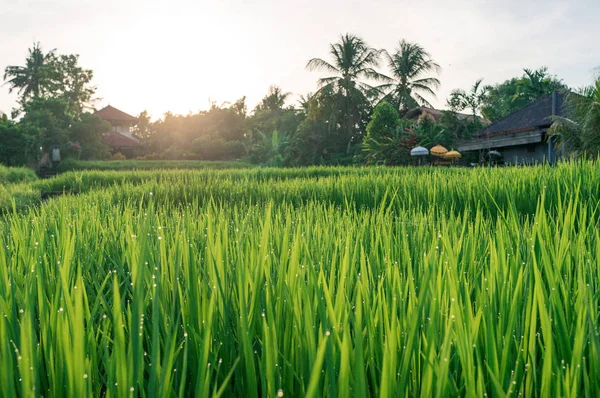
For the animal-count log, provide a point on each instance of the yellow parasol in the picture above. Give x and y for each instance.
(452, 155)
(438, 150)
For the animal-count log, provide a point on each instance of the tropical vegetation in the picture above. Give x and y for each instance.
(580, 131)
(327, 127)
(412, 77)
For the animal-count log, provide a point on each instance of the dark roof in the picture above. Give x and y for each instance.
(112, 113)
(530, 117)
(118, 140)
(437, 114)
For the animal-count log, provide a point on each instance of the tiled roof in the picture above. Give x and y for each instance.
(530, 117)
(437, 114)
(112, 113)
(118, 140)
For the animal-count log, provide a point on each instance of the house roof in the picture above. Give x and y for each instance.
(118, 140)
(531, 117)
(112, 113)
(437, 114)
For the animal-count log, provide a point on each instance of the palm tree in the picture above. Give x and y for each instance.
(304, 101)
(429, 133)
(31, 80)
(411, 81)
(580, 132)
(535, 84)
(460, 100)
(274, 100)
(353, 62)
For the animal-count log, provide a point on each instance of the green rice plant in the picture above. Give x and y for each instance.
(305, 282)
(73, 164)
(12, 175)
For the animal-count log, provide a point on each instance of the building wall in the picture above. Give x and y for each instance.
(525, 154)
(121, 127)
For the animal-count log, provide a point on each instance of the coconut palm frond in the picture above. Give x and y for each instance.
(411, 67)
(317, 64)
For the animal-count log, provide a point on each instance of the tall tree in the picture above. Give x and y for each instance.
(413, 77)
(88, 132)
(52, 76)
(429, 133)
(270, 128)
(47, 121)
(388, 140)
(460, 100)
(353, 62)
(537, 83)
(500, 100)
(17, 147)
(143, 129)
(274, 100)
(313, 141)
(34, 78)
(72, 83)
(513, 94)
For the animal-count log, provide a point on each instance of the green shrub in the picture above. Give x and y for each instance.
(118, 156)
(16, 147)
(216, 148)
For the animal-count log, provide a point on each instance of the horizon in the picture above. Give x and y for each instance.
(221, 52)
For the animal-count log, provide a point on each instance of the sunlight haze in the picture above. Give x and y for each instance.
(180, 55)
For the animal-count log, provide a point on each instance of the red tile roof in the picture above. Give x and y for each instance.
(112, 113)
(118, 140)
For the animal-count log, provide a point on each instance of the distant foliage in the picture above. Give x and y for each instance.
(579, 133)
(52, 75)
(216, 148)
(513, 94)
(385, 140)
(118, 156)
(429, 133)
(47, 121)
(87, 132)
(17, 148)
(328, 127)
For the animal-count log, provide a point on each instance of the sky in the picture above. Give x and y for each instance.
(181, 55)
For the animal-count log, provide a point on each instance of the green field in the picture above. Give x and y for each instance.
(303, 282)
(72, 164)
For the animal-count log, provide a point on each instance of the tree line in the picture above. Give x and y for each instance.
(359, 113)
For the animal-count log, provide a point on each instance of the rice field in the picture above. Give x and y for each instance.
(313, 282)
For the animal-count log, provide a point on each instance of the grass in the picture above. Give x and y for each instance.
(12, 175)
(305, 282)
(72, 164)
(15, 185)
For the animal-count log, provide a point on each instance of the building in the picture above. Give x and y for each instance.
(120, 138)
(437, 114)
(521, 137)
